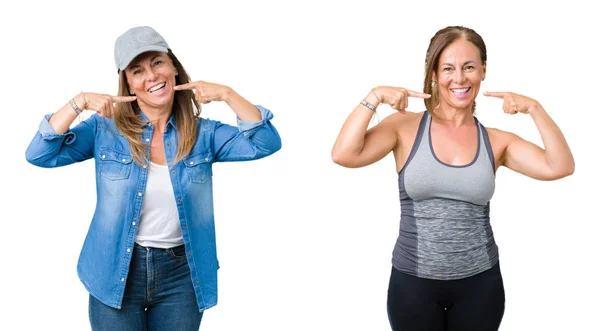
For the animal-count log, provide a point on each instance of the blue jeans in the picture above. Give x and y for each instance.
(158, 295)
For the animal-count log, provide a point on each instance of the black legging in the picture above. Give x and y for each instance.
(475, 303)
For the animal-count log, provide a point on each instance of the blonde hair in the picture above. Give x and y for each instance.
(438, 43)
(186, 110)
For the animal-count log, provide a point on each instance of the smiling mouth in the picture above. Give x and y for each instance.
(156, 88)
(460, 92)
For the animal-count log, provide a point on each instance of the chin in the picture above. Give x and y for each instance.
(156, 102)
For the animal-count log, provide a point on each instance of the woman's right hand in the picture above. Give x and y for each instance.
(103, 104)
(396, 97)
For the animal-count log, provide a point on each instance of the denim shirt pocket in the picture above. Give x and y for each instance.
(114, 165)
(199, 167)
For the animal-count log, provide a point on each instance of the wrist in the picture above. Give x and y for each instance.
(80, 100)
(228, 94)
(373, 98)
(535, 108)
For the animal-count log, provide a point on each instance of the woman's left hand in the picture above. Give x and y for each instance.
(206, 92)
(514, 103)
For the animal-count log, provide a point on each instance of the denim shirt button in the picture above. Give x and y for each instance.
(103, 156)
(128, 250)
(133, 223)
(144, 166)
(139, 194)
(206, 159)
(147, 139)
(191, 162)
(122, 279)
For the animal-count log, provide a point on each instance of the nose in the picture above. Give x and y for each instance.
(459, 76)
(151, 74)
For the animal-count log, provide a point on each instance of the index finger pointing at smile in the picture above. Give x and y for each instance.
(418, 94)
(119, 98)
(188, 86)
(495, 94)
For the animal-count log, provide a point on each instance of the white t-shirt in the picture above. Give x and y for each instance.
(159, 220)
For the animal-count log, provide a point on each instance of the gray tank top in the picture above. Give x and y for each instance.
(445, 230)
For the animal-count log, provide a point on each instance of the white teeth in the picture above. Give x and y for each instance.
(462, 90)
(157, 87)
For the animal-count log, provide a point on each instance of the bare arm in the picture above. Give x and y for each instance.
(552, 162)
(356, 146)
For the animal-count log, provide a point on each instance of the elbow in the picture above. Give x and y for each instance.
(336, 158)
(33, 159)
(275, 141)
(37, 158)
(277, 144)
(341, 159)
(570, 169)
(274, 145)
(562, 173)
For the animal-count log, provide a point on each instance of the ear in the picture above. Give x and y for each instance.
(484, 70)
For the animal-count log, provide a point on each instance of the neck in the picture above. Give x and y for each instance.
(454, 117)
(158, 116)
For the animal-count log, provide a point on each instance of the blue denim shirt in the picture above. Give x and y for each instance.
(120, 184)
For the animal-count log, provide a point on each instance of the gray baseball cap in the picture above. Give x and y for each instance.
(135, 42)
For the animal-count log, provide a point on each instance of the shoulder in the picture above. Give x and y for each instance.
(501, 136)
(204, 125)
(102, 122)
(105, 124)
(402, 121)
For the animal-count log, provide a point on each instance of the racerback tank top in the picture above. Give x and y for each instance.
(445, 230)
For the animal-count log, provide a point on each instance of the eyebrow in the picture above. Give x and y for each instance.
(450, 64)
(155, 56)
(136, 64)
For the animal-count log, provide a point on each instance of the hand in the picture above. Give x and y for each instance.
(206, 92)
(103, 104)
(514, 103)
(396, 97)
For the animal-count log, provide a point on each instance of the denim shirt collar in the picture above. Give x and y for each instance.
(147, 123)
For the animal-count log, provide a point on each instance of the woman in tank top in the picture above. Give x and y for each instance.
(446, 274)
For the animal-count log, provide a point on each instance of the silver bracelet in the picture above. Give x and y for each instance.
(368, 104)
(75, 108)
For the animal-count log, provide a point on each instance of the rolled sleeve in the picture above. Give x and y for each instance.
(247, 126)
(48, 133)
(50, 149)
(247, 141)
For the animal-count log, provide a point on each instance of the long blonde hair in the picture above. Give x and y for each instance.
(186, 110)
(438, 43)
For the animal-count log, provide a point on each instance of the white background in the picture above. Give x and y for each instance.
(303, 243)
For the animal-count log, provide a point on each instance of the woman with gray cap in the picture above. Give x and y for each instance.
(149, 258)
